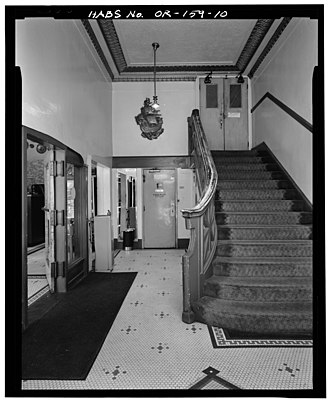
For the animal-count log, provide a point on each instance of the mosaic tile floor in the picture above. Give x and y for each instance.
(149, 347)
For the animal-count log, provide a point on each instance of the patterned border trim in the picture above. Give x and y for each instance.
(219, 340)
(269, 45)
(186, 68)
(257, 35)
(212, 375)
(37, 295)
(110, 35)
(97, 47)
(147, 79)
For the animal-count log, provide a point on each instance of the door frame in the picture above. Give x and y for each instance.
(70, 156)
(175, 203)
(249, 99)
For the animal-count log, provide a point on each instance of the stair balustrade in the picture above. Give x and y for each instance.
(199, 220)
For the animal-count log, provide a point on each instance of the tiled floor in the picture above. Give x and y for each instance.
(149, 347)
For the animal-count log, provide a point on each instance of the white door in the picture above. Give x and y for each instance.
(159, 212)
(223, 110)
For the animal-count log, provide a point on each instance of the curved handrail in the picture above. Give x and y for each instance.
(199, 139)
(200, 220)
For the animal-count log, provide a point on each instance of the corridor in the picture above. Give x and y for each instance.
(149, 347)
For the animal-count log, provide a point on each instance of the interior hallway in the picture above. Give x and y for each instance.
(149, 347)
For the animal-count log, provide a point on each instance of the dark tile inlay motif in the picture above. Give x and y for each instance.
(115, 372)
(162, 315)
(288, 369)
(212, 375)
(128, 330)
(193, 329)
(136, 303)
(161, 346)
(142, 286)
(163, 293)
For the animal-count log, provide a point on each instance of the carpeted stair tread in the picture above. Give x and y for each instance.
(256, 194)
(262, 260)
(248, 281)
(255, 317)
(252, 219)
(297, 232)
(252, 184)
(258, 205)
(274, 248)
(269, 269)
(250, 175)
(286, 289)
(247, 167)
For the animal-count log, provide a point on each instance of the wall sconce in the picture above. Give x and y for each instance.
(240, 79)
(207, 79)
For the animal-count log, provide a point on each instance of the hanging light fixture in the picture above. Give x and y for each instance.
(150, 120)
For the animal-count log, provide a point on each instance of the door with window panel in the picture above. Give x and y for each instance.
(223, 110)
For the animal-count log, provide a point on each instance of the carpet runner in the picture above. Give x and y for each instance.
(262, 270)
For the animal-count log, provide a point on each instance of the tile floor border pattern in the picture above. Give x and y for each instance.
(149, 347)
(220, 340)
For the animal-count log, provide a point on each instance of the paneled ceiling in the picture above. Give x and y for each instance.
(183, 42)
(187, 47)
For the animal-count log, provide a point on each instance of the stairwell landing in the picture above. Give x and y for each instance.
(262, 270)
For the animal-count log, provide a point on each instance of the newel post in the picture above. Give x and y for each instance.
(191, 263)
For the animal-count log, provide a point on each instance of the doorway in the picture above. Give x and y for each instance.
(223, 109)
(54, 216)
(159, 210)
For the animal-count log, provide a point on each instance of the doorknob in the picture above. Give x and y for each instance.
(220, 121)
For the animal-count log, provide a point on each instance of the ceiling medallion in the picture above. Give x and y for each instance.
(150, 120)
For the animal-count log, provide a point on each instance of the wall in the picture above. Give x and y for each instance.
(287, 75)
(65, 93)
(176, 99)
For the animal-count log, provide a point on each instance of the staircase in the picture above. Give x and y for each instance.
(262, 270)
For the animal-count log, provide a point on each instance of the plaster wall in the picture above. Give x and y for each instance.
(65, 92)
(176, 99)
(287, 75)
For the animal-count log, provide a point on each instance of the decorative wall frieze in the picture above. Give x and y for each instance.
(270, 45)
(257, 35)
(159, 79)
(110, 35)
(97, 47)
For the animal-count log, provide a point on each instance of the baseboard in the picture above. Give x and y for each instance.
(183, 243)
(307, 204)
(118, 244)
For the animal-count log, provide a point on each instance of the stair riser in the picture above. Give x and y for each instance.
(258, 293)
(258, 206)
(298, 233)
(246, 166)
(267, 194)
(226, 160)
(250, 175)
(270, 250)
(268, 324)
(263, 219)
(262, 270)
(252, 184)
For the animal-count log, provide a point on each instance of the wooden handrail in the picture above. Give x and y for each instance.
(286, 109)
(200, 219)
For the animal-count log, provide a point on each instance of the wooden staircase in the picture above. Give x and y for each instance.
(262, 270)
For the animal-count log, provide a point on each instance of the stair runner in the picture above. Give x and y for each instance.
(262, 270)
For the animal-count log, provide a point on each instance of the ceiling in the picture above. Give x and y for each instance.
(187, 47)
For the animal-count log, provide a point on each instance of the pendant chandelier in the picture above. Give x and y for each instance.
(150, 119)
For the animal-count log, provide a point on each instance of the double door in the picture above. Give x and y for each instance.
(223, 111)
